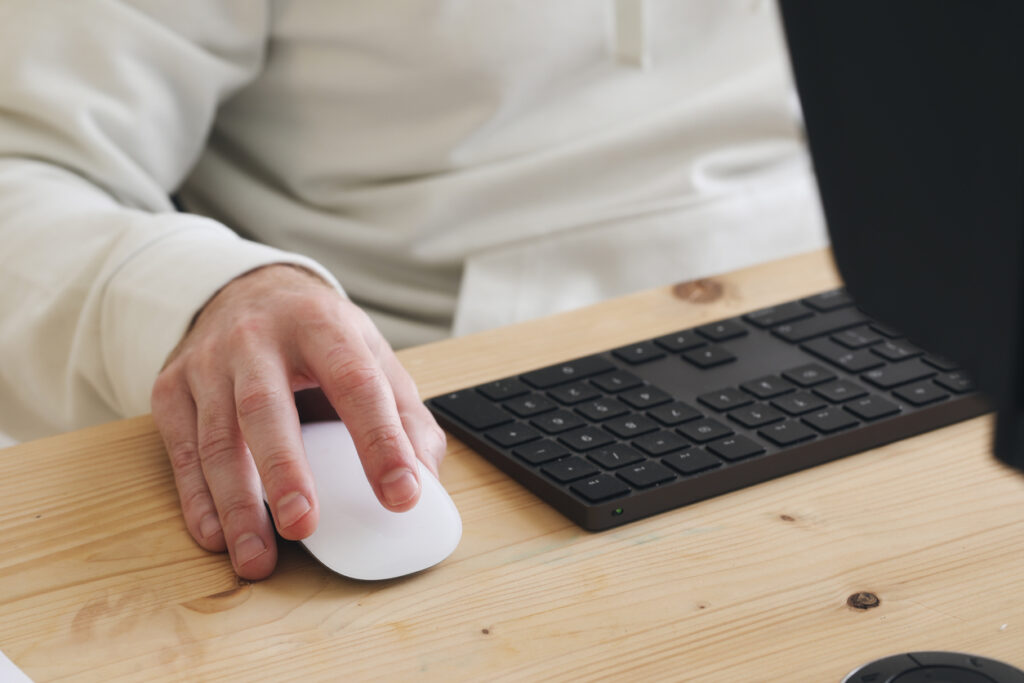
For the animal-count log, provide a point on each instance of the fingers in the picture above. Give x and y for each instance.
(270, 425)
(175, 416)
(358, 388)
(427, 437)
(233, 480)
(226, 409)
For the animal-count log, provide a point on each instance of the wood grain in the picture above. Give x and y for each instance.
(100, 581)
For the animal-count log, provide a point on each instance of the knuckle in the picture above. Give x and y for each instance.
(201, 351)
(374, 341)
(248, 333)
(201, 363)
(238, 511)
(358, 317)
(319, 314)
(318, 308)
(333, 317)
(257, 400)
(382, 439)
(196, 501)
(165, 388)
(183, 455)
(162, 387)
(218, 443)
(277, 465)
(350, 373)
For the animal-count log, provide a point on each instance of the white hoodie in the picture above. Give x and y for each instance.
(454, 164)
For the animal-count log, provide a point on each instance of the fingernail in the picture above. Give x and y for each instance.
(209, 525)
(291, 508)
(248, 547)
(399, 486)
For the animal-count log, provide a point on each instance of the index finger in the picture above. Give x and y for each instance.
(357, 386)
(270, 425)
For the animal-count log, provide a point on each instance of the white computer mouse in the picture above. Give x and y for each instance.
(357, 536)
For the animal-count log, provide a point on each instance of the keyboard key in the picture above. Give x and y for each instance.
(503, 388)
(757, 415)
(639, 353)
(885, 330)
(799, 403)
(776, 315)
(809, 375)
(674, 413)
(768, 386)
(602, 409)
(576, 392)
(820, 325)
(892, 376)
(725, 399)
(586, 438)
(601, 487)
(830, 420)
(645, 397)
(570, 469)
(724, 330)
(630, 426)
(872, 408)
(709, 356)
(613, 457)
(661, 442)
(828, 301)
(921, 393)
(840, 390)
(857, 338)
(853, 361)
(957, 382)
(941, 363)
(897, 350)
(512, 435)
(692, 461)
(702, 431)
(538, 452)
(787, 433)
(529, 405)
(735, 448)
(677, 342)
(614, 382)
(647, 474)
(558, 421)
(561, 373)
(473, 409)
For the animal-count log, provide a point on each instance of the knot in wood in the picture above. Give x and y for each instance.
(863, 600)
(701, 291)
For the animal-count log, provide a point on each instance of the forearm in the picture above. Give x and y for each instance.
(104, 107)
(94, 296)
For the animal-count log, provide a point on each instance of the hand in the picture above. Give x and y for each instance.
(225, 407)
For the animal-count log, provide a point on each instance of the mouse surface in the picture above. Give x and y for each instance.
(357, 536)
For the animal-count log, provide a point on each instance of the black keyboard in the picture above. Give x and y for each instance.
(660, 423)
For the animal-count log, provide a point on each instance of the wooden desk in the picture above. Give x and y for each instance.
(100, 580)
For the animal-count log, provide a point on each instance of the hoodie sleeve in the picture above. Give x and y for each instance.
(104, 108)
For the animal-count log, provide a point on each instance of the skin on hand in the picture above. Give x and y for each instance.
(224, 405)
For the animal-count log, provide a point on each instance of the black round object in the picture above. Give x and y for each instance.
(935, 667)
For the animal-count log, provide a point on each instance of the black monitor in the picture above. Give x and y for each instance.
(915, 121)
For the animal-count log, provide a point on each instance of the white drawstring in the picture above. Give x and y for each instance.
(631, 44)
